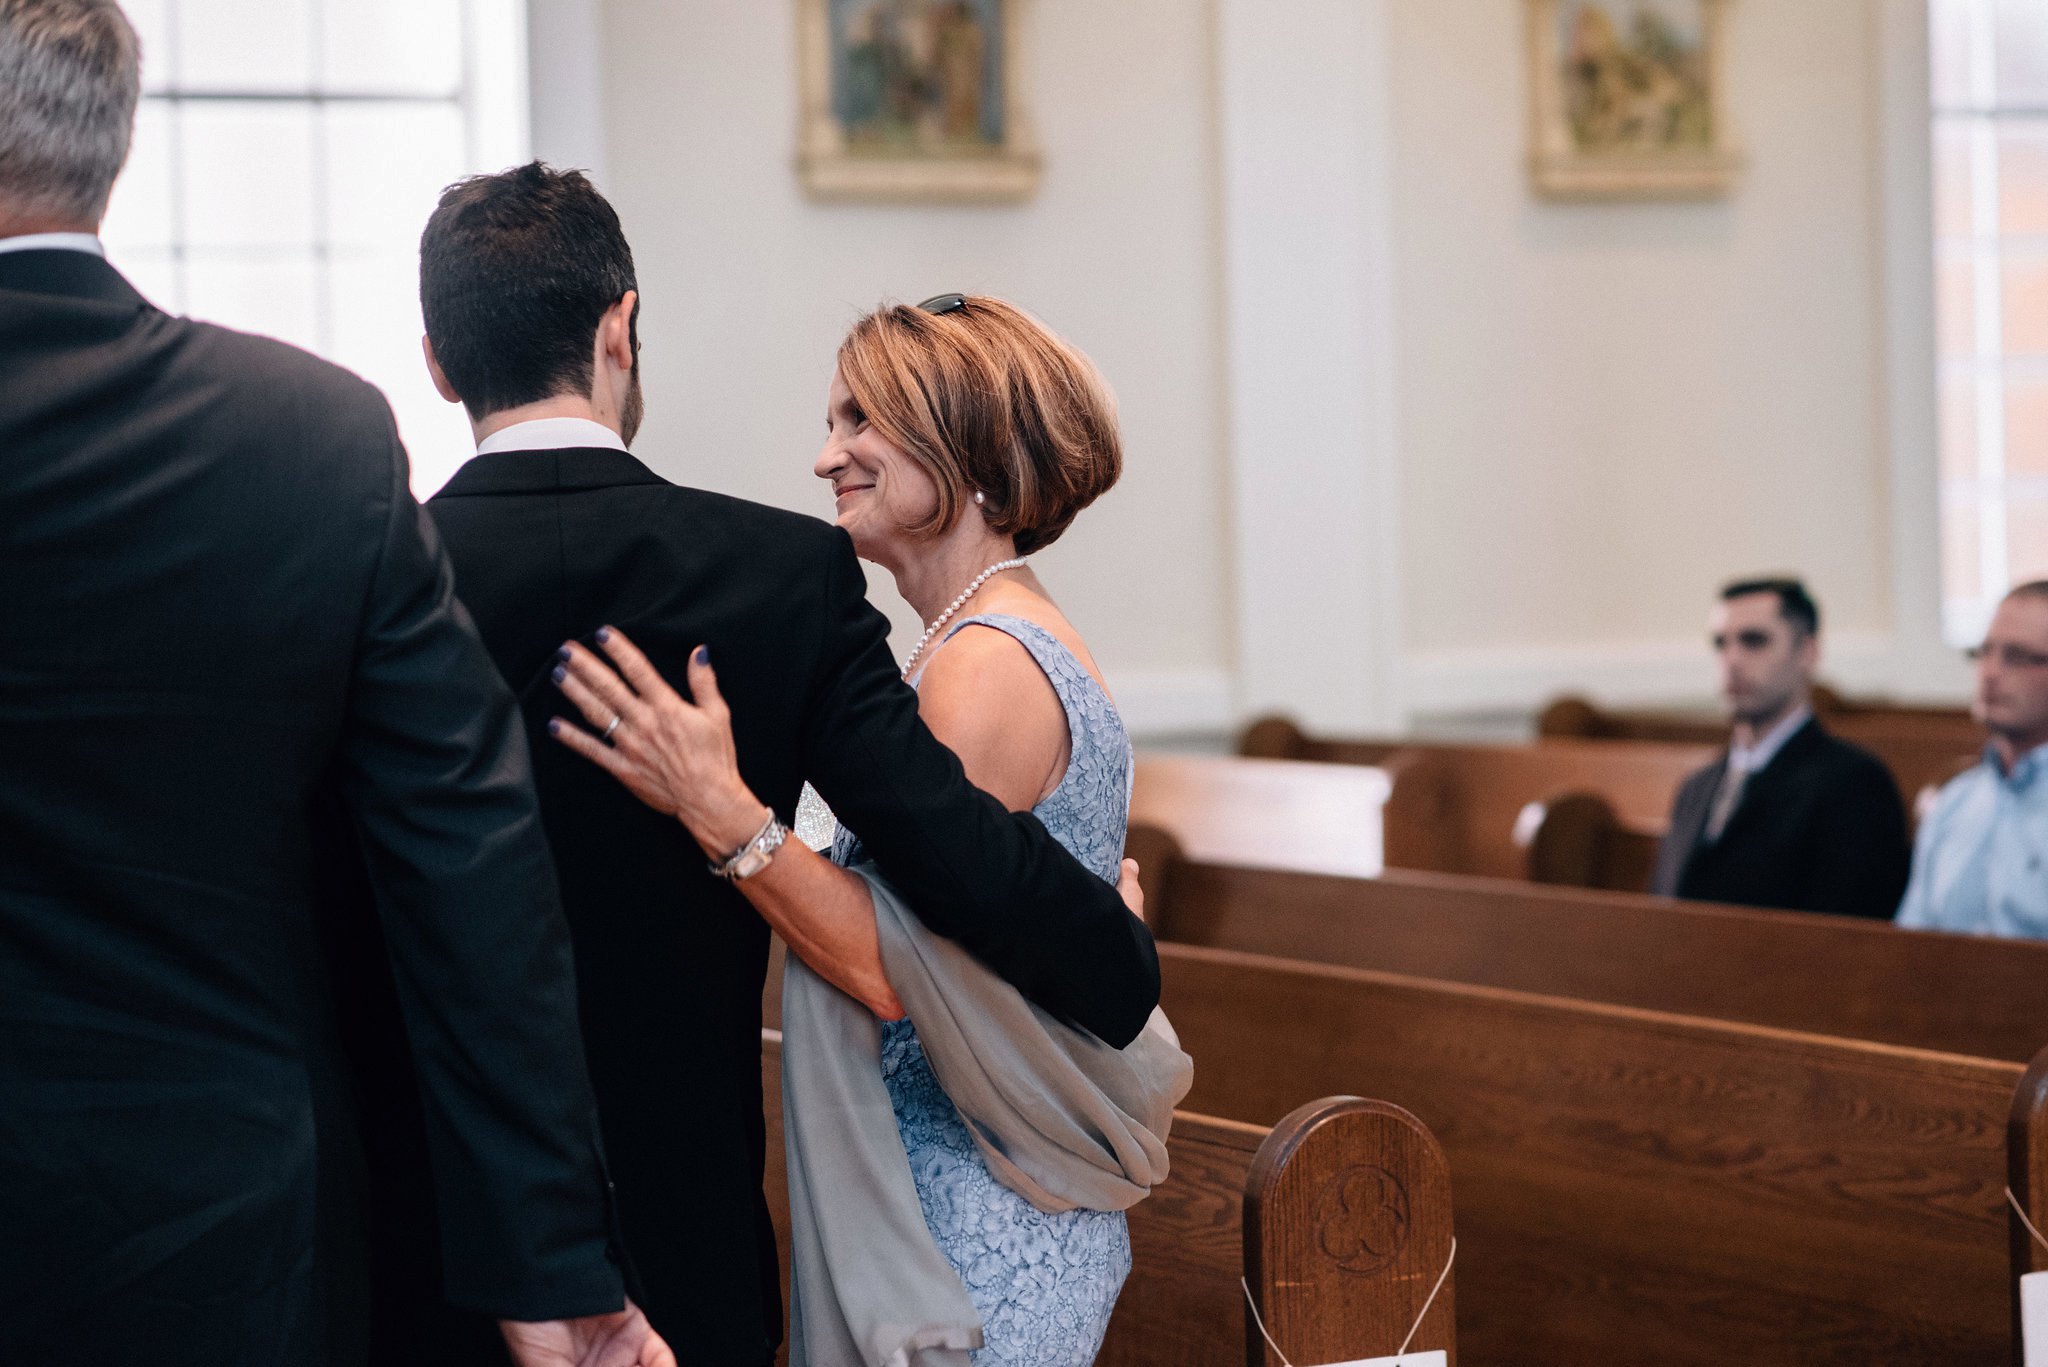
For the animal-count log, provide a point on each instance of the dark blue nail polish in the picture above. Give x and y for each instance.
(554, 726)
(603, 634)
(562, 654)
(559, 673)
(703, 655)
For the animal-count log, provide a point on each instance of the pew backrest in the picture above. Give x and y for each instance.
(1459, 808)
(1829, 975)
(1338, 1217)
(1646, 1187)
(1923, 747)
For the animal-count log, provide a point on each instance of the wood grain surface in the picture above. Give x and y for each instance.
(1645, 1187)
(1794, 970)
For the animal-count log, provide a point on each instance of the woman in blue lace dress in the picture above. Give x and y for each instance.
(961, 437)
(941, 494)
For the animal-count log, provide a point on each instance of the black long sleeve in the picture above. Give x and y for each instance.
(992, 880)
(437, 776)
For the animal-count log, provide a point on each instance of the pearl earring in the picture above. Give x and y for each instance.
(980, 498)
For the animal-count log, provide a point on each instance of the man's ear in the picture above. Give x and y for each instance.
(615, 331)
(434, 369)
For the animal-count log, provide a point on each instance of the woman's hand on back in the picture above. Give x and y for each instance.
(674, 754)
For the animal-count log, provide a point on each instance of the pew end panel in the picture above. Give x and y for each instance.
(1158, 855)
(1348, 1236)
(1265, 813)
(1272, 737)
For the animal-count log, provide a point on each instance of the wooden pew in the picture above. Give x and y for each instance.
(1338, 1215)
(1578, 813)
(1638, 1186)
(1265, 813)
(1792, 970)
(1475, 809)
(1923, 747)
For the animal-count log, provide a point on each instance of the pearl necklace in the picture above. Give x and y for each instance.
(991, 572)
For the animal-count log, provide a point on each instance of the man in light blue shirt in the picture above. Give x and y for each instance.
(1981, 862)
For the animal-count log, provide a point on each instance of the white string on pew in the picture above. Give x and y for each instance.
(1413, 1329)
(2017, 1209)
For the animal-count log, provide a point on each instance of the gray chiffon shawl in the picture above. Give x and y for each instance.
(1060, 1118)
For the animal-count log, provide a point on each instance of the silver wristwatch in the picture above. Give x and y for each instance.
(752, 857)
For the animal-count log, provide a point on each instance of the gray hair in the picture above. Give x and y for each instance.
(70, 74)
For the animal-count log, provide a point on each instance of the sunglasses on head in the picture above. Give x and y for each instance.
(941, 304)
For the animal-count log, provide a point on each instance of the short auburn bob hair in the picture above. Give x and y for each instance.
(987, 400)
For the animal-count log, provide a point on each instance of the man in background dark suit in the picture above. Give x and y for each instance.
(555, 530)
(220, 599)
(1789, 816)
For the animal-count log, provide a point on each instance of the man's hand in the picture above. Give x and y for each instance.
(623, 1338)
(1128, 889)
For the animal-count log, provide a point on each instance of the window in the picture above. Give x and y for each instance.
(287, 154)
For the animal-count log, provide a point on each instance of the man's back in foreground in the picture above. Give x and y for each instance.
(221, 601)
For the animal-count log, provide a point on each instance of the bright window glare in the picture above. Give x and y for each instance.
(1990, 139)
(287, 154)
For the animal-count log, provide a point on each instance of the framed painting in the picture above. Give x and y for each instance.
(1628, 99)
(913, 100)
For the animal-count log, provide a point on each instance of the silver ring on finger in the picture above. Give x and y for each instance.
(616, 719)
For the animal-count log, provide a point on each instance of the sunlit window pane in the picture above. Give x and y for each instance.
(1961, 556)
(2027, 536)
(2022, 51)
(152, 26)
(387, 165)
(141, 214)
(246, 175)
(278, 298)
(411, 47)
(1949, 51)
(2026, 426)
(2024, 302)
(1955, 310)
(2023, 177)
(288, 153)
(1958, 428)
(245, 45)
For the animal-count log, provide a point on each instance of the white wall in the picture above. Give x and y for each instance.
(1536, 436)
(748, 287)
(1609, 409)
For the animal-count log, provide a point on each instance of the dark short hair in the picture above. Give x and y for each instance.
(2033, 588)
(1795, 604)
(516, 269)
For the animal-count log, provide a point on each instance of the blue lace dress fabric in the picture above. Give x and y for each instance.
(1044, 1284)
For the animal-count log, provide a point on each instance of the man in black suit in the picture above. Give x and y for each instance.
(1789, 816)
(530, 300)
(220, 602)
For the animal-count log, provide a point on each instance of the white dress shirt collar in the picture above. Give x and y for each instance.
(1748, 759)
(66, 242)
(550, 434)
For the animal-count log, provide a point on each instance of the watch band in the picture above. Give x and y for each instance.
(752, 857)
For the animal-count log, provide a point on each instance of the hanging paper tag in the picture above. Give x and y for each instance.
(1437, 1357)
(2034, 1318)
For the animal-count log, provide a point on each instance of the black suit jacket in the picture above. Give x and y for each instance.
(550, 545)
(218, 600)
(1819, 828)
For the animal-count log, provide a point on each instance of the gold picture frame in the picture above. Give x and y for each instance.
(1628, 99)
(913, 101)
